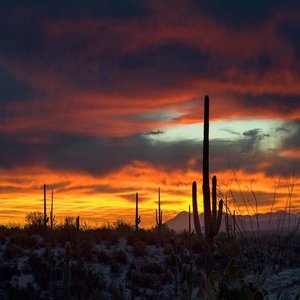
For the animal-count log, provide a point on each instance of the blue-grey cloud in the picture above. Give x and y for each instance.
(245, 13)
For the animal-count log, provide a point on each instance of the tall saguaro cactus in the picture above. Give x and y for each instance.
(51, 213)
(137, 217)
(158, 212)
(45, 208)
(212, 217)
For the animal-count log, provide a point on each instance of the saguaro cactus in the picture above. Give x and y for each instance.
(51, 213)
(77, 235)
(212, 217)
(46, 219)
(159, 212)
(137, 217)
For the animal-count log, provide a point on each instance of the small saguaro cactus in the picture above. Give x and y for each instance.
(137, 217)
(158, 212)
(46, 219)
(51, 213)
(212, 217)
(66, 270)
(77, 235)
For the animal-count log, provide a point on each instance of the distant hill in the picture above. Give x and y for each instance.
(267, 222)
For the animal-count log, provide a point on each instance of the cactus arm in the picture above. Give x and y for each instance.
(195, 213)
(214, 197)
(219, 218)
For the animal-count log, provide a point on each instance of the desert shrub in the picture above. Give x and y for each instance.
(102, 256)
(147, 236)
(122, 228)
(23, 293)
(85, 283)
(132, 238)
(113, 239)
(152, 268)
(87, 249)
(114, 267)
(120, 257)
(101, 234)
(3, 234)
(39, 269)
(12, 251)
(7, 271)
(116, 292)
(24, 240)
(145, 280)
(139, 249)
(34, 221)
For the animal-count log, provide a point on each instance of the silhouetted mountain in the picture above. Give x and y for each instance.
(267, 222)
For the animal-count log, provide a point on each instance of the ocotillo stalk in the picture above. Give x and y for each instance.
(137, 217)
(159, 212)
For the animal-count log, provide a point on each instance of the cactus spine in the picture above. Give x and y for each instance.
(159, 212)
(212, 217)
(66, 270)
(137, 217)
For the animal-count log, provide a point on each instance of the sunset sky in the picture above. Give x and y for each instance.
(102, 99)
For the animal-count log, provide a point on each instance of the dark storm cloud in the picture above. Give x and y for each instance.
(120, 58)
(12, 89)
(94, 155)
(101, 156)
(239, 14)
(22, 34)
(171, 59)
(291, 31)
(292, 141)
(269, 103)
